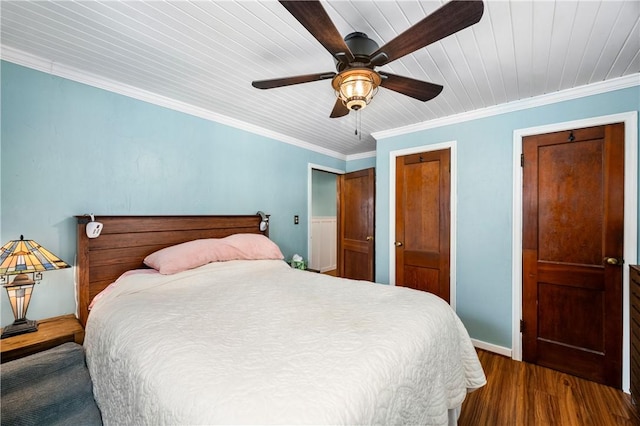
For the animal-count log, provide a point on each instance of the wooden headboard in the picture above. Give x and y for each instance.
(126, 240)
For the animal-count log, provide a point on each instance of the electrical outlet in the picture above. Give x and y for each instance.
(296, 220)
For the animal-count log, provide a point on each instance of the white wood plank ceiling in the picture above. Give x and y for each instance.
(205, 55)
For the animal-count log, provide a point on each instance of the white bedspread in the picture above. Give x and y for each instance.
(257, 342)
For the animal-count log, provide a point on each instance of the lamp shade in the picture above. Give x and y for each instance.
(25, 256)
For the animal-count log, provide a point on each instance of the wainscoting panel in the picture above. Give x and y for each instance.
(324, 243)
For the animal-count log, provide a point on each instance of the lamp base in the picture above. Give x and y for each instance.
(22, 327)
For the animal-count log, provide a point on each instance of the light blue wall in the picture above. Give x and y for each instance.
(361, 164)
(323, 199)
(484, 203)
(70, 149)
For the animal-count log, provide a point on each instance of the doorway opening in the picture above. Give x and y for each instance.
(322, 232)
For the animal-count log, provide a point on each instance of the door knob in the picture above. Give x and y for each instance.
(613, 261)
(369, 238)
(398, 243)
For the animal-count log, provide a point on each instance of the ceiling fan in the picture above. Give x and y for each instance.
(357, 56)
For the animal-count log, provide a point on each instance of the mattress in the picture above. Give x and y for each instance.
(257, 342)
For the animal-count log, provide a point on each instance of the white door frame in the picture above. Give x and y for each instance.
(310, 168)
(630, 120)
(393, 155)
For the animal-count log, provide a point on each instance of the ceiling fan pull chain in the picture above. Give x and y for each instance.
(356, 120)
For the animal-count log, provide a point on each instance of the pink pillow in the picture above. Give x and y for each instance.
(254, 246)
(189, 255)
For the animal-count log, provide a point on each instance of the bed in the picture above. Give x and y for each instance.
(250, 340)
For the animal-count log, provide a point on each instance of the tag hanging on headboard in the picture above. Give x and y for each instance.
(264, 221)
(93, 228)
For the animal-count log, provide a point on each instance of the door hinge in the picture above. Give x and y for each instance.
(521, 326)
(521, 160)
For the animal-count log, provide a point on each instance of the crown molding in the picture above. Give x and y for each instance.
(22, 58)
(361, 156)
(537, 101)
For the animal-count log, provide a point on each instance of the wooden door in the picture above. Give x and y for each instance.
(356, 224)
(572, 251)
(423, 199)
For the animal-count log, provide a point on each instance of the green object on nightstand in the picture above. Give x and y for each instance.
(297, 262)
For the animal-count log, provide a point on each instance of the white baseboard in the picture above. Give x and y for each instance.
(500, 350)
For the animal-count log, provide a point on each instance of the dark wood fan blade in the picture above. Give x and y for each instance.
(417, 89)
(314, 18)
(288, 81)
(450, 18)
(339, 109)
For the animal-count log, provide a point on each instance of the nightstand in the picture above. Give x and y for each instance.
(51, 332)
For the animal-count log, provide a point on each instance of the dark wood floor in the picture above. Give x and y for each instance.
(523, 394)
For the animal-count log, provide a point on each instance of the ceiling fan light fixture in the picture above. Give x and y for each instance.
(356, 87)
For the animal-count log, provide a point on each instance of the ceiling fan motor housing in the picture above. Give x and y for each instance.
(362, 47)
